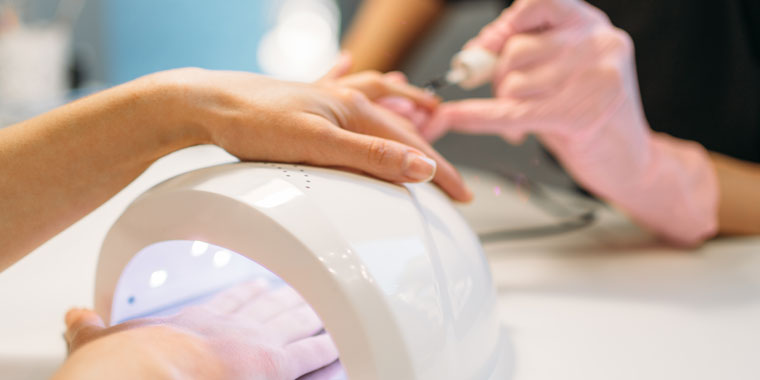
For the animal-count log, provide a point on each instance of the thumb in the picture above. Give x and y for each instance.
(341, 67)
(482, 116)
(82, 325)
(524, 16)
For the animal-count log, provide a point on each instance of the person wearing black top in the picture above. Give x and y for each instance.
(698, 72)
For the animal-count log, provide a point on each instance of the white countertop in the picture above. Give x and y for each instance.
(604, 302)
(580, 306)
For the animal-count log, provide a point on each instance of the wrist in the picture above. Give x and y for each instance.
(678, 197)
(154, 352)
(168, 103)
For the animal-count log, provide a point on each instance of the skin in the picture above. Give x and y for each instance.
(739, 208)
(63, 164)
(246, 332)
(739, 201)
(383, 31)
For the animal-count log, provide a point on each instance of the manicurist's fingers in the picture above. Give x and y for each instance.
(271, 304)
(509, 119)
(298, 323)
(82, 325)
(232, 299)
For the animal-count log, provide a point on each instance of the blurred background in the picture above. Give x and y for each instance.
(52, 51)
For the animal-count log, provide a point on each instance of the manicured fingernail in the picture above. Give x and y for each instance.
(419, 168)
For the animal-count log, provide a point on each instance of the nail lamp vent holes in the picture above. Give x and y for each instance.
(294, 173)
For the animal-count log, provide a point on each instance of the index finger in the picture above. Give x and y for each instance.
(375, 85)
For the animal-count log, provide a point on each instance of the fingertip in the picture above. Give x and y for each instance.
(467, 195)
(77, 316)
(71, 316)
(396, 76)
(342, 66)
(455, 187)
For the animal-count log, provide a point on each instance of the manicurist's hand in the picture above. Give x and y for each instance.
(61, 165)
(246, 332)
(567, 75)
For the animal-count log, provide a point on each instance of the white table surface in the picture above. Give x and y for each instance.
(604, 302)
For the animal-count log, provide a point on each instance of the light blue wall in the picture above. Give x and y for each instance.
(144, 36)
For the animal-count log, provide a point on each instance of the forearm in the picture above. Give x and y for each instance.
(61, 165)
(739, 206)
(383, 31)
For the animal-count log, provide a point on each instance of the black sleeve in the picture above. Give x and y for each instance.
(751, 10)
(473, 1)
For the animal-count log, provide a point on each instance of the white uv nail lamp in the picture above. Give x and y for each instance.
(394, 272)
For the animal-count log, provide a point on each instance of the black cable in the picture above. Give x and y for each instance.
(570, 218)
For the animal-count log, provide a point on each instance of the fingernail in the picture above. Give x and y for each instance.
(419, 168)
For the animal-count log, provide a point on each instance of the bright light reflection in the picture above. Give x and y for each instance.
(222, 258)
(278, 197)
(158, 278)
(303, 43)
(198, 248)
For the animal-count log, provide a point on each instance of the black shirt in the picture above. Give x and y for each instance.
(698, 66)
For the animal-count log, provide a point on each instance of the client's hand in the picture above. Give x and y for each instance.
(246, 332)
(110, 138)
(390, 90)
(332, 122)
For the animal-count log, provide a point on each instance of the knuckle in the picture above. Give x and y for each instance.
(270, 362)
(514, 49)
(596, 13)
(378, 152)
(375, 82)
(613, 40)
(611, 75)
(616, 52)
(374, 75)
(350, 96)
(623, 42)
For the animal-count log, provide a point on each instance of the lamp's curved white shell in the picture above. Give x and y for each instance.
(397, 276)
